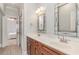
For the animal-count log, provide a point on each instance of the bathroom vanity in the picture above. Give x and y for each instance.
(38, 48)
(47, 44)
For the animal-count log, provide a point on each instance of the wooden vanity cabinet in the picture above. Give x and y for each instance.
(31, 46)
(37, 48)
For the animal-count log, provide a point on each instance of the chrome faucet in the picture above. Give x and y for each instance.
(38, 34)
(62, 39)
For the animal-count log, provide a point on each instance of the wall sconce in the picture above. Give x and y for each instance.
(40, 11)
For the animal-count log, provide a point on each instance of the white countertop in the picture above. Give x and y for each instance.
(71, 48)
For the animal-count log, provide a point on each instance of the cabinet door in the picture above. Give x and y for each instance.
(48, 51)
(38, 48)
(38, 51)
(33, 47)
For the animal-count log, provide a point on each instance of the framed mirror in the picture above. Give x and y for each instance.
(66, 19)
(41, 23)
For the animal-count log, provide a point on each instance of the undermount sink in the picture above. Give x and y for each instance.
(70, 45)
(56, 42)
(60, 45)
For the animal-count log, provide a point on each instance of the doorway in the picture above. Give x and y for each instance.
(13, 28)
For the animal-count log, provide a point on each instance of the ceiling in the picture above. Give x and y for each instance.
(12, 9)
(14, 5)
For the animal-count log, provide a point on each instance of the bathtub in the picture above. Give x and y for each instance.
(12, 35)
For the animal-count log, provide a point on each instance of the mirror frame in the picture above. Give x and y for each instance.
(73, 34)
(43, 30)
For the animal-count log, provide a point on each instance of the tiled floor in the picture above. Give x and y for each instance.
(12, 49)
(12, 42)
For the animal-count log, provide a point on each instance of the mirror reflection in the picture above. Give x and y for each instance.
(66, 17)
(40, 12)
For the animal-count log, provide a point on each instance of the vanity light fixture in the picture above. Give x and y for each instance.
(40, 11)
